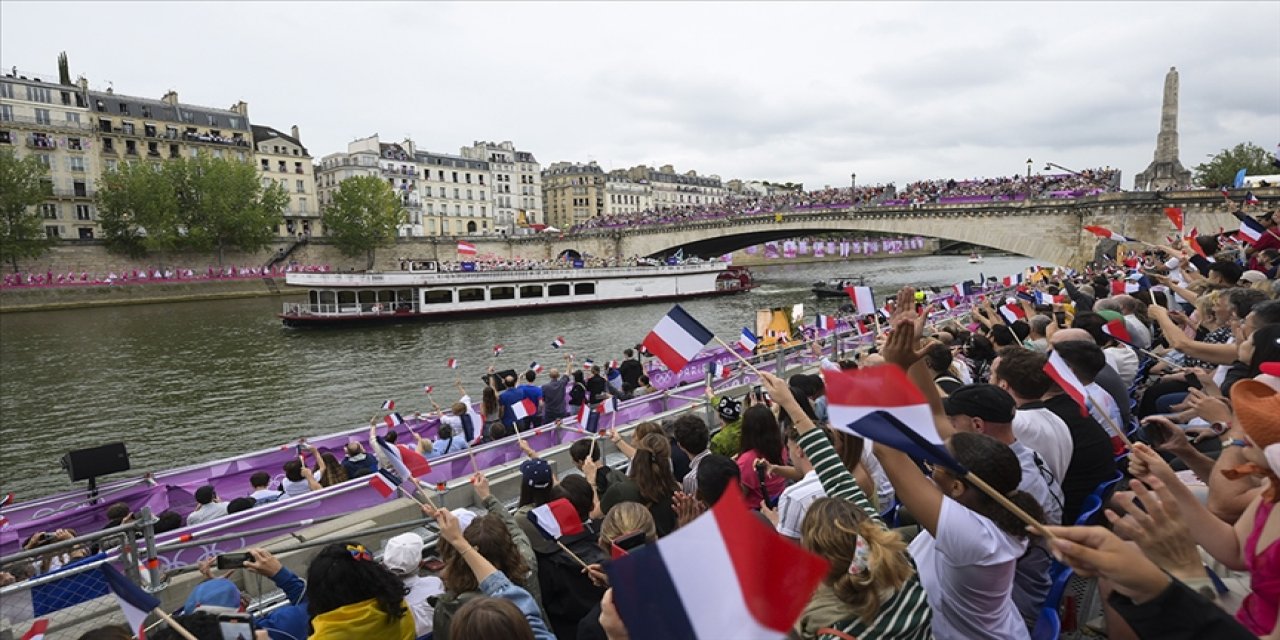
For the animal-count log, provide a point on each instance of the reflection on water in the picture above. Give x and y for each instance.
(186, 382)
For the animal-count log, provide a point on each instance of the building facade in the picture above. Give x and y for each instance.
(282, 158)
(52, 122)
(672, 190)
(572, 193)
(624, 195)
(516, 187)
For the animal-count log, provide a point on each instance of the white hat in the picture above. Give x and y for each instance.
(464, 516)
(1253, 276)
(403, 554)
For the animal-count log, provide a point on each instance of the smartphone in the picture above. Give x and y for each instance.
(1156, 432)
(1193, 382)
(1060, 317)
(626, 544)
(235, 626)
(232, 560)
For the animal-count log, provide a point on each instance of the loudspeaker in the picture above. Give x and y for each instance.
(83, 464)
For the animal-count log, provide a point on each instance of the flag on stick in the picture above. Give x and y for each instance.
(1012, 312)
(1118, 330)
(383, 484)
(389, 405)
(857, 398)
(1250, 229)
(1062, 374)
(864, 300)
(37, 630)
(557, 343)
(393, 420)
(677, 338)
(1174, 214)
(452, 363)
(524, 409)
(747, 341)
(556, 519)
(825, 322)
(466, 248)
(133, 601)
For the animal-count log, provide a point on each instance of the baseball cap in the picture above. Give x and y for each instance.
(1251, 276)
(536, 473)
(219, 594)
(403, 554)
(984, 401)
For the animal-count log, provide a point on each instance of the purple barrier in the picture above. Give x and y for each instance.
(86, 519)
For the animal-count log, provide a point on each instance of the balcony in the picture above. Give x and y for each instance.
(39, 142)
(51, 124)
(109, 150)
(204, 138)
(74, 193)
(401, 171)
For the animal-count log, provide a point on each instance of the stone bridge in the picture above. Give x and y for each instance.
(1050, 231)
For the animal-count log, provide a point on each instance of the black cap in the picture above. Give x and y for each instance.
(985, 401)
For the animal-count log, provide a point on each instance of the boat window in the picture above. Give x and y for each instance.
(347, 301)
(473, 294)
(328, 298)
(558, 290)
(502, 293)
(531, 291)
(368, 297)
(584, 289)
(404, 295)
(314, 297)
(437, 296)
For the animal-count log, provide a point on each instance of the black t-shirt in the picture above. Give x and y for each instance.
(1092, 459)
(597, 386)
(631, 371)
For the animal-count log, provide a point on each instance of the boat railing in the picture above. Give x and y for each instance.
(350, 309)
(422, 279)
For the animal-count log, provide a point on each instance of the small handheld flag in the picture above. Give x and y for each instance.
(588, 418)
(37, 630)
(1250, 229)
(1012, 312)
(1118, 330)
(451, 363)
(497, 350)
(613, 364)
(1251, 199)
(535, 367)
(428, 389)
(863, 298)
(134, 602)
(558, 342)
(388, 405)
(825, 322)
(1175, 216)
(393, 420)
(466, 248)
(1062, 374)
(556, 519)
(383, 484)
(588, 363)
(720, 371)
(858, 401)
(524, 409)
(748, 340)
(677, 338)
(1103, 232)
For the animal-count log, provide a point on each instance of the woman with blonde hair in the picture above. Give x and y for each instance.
(625, 519)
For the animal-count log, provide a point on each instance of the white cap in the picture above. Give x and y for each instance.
(464, 516)
(403, 554)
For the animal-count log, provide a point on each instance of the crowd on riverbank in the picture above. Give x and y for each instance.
(1129, 412)
(131, 276)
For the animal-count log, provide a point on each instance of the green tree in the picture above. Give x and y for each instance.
(364, 215)
(23, 185)
(223, 204)
(138, 209)
(1221, 168)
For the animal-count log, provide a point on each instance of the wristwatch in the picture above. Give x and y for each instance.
(1233, 442)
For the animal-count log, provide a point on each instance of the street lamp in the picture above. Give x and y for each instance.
(1028, 168)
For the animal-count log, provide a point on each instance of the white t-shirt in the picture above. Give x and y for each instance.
(1124, 361)
(794, 503)
(1046, 434)
(1100, 403)
(420, 589)
(292, 488)
(263, 496)
(1045, 490)
(967, 573)
(207, 512)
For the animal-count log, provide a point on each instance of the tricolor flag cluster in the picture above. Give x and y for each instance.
(405, 461)
(393, 419)
(1012, 312)
(466, 248)
(1103, 232)
(388, 405)
(535, 367)
(720, 371)
(724, 575)
(677, 338)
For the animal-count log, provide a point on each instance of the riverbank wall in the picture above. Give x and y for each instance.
(21, 299)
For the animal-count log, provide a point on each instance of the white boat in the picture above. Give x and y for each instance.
(422, 292)
(975, 258)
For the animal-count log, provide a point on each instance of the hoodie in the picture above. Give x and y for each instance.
(362, 621)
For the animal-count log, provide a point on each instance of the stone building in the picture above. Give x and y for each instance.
(624, 195)
(456, 192)
(573, 192)
(282, 158)
(671, 189)
(52, 122)
(516, 185)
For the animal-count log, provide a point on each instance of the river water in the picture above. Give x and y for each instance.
(188, 382)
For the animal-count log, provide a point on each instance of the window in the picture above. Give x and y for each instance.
(75, 163)
(45, 160)
(584, 289)
(482, 194)
(281, 166)
(146, 111)
(266, 164)
(110, 165)
(471, 210)
(557, 290)
(130, 147)
(437, 296)
(6, 90)
(428, 191)
(39, 94)
(471, 294)
(82, 212)
(456, 193)
(6, 113)
(299, 187)
(468, 178)
(124, 108)
(455, 179)
(531, 291)
(502, 293)
(53, 231)
(234, 122)
(49, 210)
(73, 118)
(6, 137)
(42, 116)
(86, 233)
(302, 205)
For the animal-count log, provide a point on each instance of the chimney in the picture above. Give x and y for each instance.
(294, 132)
(170, 98)
(241, 108)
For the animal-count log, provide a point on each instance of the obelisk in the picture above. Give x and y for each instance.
(1166, 171)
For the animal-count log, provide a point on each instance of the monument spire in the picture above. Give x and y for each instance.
(1166, 171)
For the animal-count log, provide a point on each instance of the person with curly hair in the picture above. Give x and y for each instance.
(489, 537)
(351, 596)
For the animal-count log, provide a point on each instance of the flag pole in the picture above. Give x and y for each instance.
(737, 355)
(566, 550)
(413, 497)
(982, 485)
(173, 624)
(1111, 423)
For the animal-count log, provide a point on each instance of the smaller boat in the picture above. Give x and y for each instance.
(834, 287)
(974, 258)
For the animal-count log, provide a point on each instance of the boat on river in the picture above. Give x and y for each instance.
(422, 291)
(835, 287)
(975, 258)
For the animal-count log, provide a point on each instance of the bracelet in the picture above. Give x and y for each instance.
(464, 551)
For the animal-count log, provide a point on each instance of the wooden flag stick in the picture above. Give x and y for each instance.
(413, 497)
(1111, 423)
(472, 454)
(173, 624)
(1008, 504)
(566, 550)
(737, 355)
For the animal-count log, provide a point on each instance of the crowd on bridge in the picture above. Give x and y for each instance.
(1114, 430)
(152, 275)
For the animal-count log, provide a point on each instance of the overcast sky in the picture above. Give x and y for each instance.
(773, 91)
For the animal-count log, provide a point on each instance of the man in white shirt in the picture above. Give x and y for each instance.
(210, 508)
(1034, 425)
(795, 499)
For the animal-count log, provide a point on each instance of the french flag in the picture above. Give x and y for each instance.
(466, 248)
(825, 322)
(862, 327)
(947, 303)
(1103, 232)
(427, 389)
(37, 630)
(1249, 198)
(864, 300)
(535, 367)
(1118, 330)
(556, 519)
(393, 420)
(7, 500)
(588, 363)
(1250, 229)
(747, 341)
(524, 409)
(1062, 374)
(720, 371)
(861, 401)
(383, 484)
(1043, 297)
(497, 350)
(452, 363)
(613, 364)
(724, 575)
(1012, 312)
(609, 405)
(558, 342)
(389, 405)
(963, 289)
(133, 601)
(405, 461)
(588, 418)
(677, 339)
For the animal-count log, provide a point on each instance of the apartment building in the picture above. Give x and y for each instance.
(516, 187)
(282, 158)
(573, 192)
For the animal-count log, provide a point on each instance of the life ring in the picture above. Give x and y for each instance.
(377, 308)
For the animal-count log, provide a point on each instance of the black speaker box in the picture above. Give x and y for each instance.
(93, 462)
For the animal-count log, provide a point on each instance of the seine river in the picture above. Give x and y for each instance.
(187, 382)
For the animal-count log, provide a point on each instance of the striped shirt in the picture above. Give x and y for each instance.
(906, 614)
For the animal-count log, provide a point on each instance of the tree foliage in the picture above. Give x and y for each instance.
(202, 204)
(23, 185)
(365, 214)
(1221, 169)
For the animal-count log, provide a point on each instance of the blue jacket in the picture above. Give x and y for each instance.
(290, 622)
(363, 467)
(498, 586)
